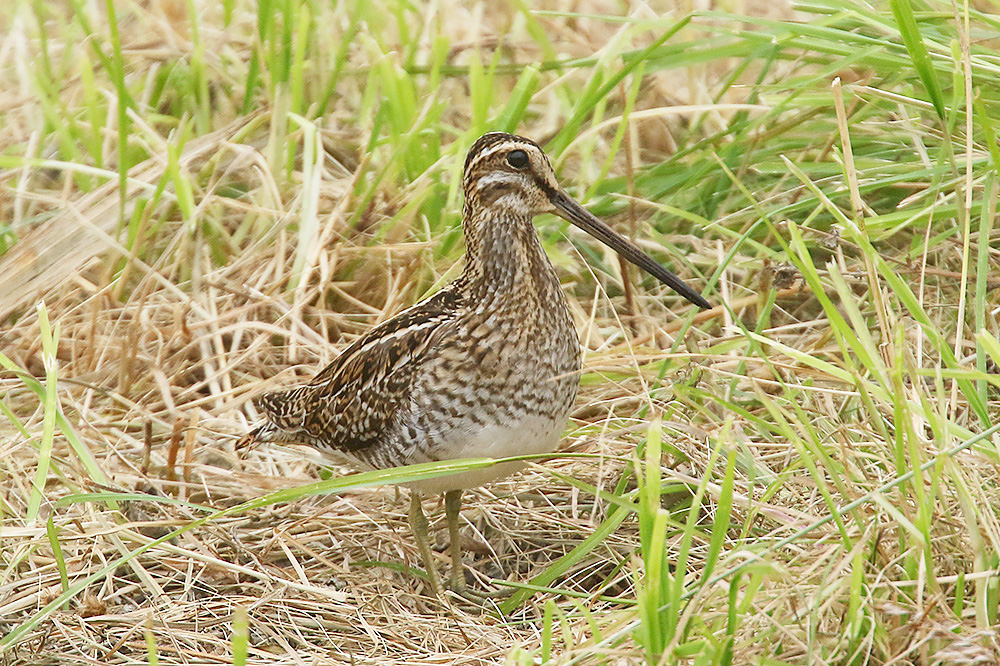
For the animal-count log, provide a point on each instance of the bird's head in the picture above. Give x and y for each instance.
(508, 177)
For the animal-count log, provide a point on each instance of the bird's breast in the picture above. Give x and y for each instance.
(501, 384)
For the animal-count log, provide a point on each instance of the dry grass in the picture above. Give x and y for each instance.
(236, 264)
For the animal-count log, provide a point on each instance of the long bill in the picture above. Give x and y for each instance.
(573, 212)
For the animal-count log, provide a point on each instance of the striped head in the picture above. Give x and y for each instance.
(508, 177)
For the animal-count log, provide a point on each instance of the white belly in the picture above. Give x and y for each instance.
(532, 435)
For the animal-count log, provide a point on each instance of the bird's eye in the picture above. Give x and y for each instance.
(517, 159)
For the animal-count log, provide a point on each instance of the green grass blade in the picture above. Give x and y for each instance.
(902, 10)
(50, 342)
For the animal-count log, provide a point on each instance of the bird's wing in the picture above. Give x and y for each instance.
(350, 404)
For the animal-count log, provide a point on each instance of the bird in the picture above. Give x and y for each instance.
(488, 366)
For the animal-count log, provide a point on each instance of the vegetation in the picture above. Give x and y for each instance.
(199, 200)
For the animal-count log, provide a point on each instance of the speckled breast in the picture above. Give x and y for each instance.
(502, 385)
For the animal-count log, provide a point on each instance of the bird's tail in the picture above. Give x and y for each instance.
(284, 408)
(266, 432)
(282, 412)
(251, 439)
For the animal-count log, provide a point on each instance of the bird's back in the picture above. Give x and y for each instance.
(351, 404)
(458, 375)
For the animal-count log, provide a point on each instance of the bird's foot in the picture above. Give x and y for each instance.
(479, 597)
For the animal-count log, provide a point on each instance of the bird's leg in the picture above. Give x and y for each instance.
(452, 506)
(421, 532)
(456, 582)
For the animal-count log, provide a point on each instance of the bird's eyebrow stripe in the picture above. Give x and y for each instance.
(501, 146)
(491, 151)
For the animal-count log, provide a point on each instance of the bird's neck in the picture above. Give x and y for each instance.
(505, 259)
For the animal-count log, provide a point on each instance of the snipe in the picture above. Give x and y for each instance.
(486, 367)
